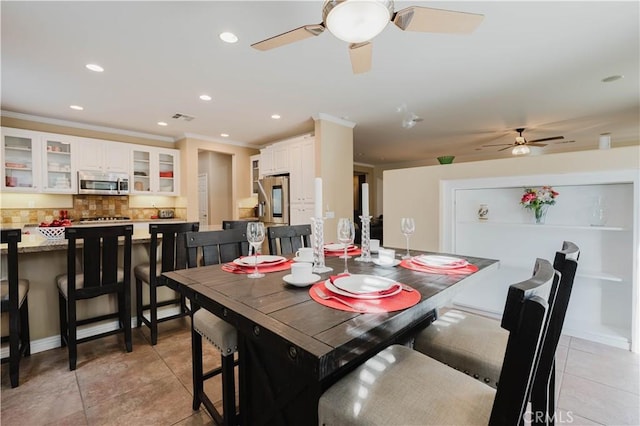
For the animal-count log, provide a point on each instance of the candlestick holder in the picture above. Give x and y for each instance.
(365, 243)
(318, 246)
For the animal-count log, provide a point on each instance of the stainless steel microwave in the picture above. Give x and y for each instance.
(90, 182)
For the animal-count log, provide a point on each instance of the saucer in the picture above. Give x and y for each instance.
(395, 262)
(298, 259)
(303, 282)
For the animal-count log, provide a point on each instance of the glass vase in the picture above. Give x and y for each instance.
(540, 213)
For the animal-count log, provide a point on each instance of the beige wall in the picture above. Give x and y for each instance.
(334, 163)
(240, 164)
(416, 191)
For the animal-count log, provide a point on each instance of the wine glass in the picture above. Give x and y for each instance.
(255, 236)
(407, 226)
(346, 235)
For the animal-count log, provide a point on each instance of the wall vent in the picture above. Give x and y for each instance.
(183, 117)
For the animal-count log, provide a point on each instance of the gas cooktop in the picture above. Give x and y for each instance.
(104, 219)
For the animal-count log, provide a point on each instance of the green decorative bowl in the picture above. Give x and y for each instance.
(447, 159)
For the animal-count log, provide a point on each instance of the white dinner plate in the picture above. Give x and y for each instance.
(304, 282)
(442, 262)
(262, 260)
(395, 262)
(338, 247)
(332, 288)
(360, 283)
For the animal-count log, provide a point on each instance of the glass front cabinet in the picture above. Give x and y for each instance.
(155, 171)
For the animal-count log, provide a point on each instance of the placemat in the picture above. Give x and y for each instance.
(403, 300)
(469, 269)
(237, 269)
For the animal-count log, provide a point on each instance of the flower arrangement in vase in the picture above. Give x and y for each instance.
(539, 201)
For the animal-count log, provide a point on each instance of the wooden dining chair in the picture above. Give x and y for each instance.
(403, 386)
(212, 248)
(100, 276)
(235, 224)
(15, 307)
(476, 345)
(172, 255)
(285, 240)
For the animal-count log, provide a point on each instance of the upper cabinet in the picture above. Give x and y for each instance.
(302, 171)
(274, 160)
(155, 171)
(254, 172)
(38, 162)
(103, 156)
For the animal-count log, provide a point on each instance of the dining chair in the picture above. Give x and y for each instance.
(476, 344)
(235, 224)
(100, 276)
(285, 240)
(213, 248)
(403, 386)
(170, 237)
(15, 307)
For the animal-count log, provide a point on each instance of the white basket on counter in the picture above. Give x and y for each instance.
(52, 232)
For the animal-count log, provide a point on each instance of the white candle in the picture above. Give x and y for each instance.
(318, 199)
(365, 199)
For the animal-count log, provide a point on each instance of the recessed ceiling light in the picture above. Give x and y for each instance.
(612, 78)
(94, 67)
(162, 123)
(276, 116)
(224, 135)
(76, 107)
(228, 37)
(205, 97)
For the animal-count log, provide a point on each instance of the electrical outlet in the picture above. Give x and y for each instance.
(330, 215)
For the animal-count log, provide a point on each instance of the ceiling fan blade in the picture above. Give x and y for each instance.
(547, 139)
(427, 19)
(360, 54)
(499, 144)
(566, 142)
(505, 148)
(536, 144)
(289, 37)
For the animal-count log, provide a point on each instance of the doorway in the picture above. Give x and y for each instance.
(218, 169)
(203, 199)
(358, 179)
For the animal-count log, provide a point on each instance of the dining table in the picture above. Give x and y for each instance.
(292, 348)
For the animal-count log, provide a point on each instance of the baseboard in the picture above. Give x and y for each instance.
(52, 342)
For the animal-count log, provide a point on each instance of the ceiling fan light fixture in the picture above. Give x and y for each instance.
(357, 21)
(520, 140)
(520, 150)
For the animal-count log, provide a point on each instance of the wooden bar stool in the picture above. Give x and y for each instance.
(15, 307)
(100, 275)
(173, 256)
(212, 248)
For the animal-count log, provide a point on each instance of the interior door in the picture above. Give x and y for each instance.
(203, 199)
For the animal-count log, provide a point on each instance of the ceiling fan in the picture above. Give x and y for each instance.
(359, 21)
(521, 145)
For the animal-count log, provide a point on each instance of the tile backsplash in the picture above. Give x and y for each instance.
(84, 206)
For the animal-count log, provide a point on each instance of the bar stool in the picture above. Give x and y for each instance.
(288, 239)
(100, 276)
(15, 306)
(402, 386)
(212, 248)
(173, 256)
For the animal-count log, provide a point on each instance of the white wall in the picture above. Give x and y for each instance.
(416, 191)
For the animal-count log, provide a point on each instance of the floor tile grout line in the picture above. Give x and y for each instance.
(601, 384)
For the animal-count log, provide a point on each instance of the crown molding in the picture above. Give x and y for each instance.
(373, 166)
(220, 141)
(85, 126)
(331, 118)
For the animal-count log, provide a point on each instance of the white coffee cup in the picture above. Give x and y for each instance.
(305, 254)
(386, 256)
(301, 271)
(374, 245)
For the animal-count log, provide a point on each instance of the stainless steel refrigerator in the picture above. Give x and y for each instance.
(273, 200)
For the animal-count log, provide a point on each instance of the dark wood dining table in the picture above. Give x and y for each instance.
(291, 348)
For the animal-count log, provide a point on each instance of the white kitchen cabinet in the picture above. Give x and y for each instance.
(103, 156)
(21, 160)
(155, 171)
(58, 168)
(605, 300)
(254, 173)
(274, 159)
(300, 213)
(302, 171)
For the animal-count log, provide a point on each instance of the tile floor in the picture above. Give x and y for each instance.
(597, 384)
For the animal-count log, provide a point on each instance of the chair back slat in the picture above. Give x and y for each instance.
(100, 247)
(173, 249)
(215, 247)
(524, 316)
(11, 237)
(285, 240)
